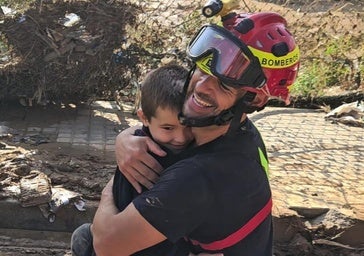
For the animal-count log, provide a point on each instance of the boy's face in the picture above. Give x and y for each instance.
(166, 129)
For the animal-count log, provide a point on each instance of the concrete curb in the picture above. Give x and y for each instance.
(14, 216)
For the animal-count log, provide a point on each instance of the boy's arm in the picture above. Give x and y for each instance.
(134, 161)
(121, 233)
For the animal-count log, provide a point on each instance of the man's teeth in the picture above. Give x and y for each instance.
(201, 102)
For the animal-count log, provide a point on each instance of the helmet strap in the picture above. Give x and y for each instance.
(220, 119)
(188, 79)
(241, 107)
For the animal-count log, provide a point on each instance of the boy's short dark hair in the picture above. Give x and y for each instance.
(163, 87)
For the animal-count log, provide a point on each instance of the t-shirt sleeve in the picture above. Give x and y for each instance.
(178, 202)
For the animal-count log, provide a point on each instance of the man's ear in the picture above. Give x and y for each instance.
(142, 117)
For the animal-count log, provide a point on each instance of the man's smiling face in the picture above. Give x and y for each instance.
(207, 96)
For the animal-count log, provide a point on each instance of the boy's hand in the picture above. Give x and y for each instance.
(134, 161)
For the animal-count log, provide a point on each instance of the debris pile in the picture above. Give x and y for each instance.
(348, 113)
(66, 50)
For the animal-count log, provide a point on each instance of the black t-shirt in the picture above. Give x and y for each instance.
(213, 192)
(123, 190)
(124, 193)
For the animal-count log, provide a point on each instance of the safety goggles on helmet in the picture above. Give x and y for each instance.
(226, 57)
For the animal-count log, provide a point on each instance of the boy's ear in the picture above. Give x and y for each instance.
(142, 117)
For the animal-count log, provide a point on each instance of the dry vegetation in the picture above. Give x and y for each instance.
(116, 42)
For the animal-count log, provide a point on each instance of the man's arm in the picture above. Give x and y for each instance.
(134, 161)
(121, 233)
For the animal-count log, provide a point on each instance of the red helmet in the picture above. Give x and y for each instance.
(265, 51)
(267, 37)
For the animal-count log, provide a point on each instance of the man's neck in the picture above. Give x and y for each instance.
(206, 134)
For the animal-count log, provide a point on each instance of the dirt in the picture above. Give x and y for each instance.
(73, 168)
(87, 172)
(24, 158)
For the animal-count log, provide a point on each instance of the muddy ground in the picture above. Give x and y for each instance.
(76, 170)
(86, 173)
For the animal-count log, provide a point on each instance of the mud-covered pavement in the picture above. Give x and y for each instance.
(33, 152)
(315, 176)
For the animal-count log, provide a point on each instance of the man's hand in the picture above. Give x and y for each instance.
(107, 191)
(121, 233)
(134, 161)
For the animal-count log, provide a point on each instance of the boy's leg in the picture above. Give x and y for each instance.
(81, 241)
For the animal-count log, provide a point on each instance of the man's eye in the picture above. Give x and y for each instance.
(167, 128)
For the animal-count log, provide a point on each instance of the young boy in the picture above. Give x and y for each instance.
(161, 100)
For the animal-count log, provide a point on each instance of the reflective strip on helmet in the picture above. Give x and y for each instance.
(268, 60)
(264, 162)
(205, 64)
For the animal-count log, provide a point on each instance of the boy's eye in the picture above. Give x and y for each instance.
(168, 128)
